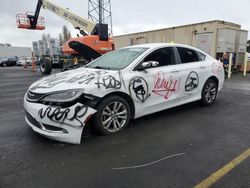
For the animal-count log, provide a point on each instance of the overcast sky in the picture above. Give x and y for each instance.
(128, 16)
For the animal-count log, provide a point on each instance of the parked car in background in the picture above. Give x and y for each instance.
(8, 61)
(24, 61)
(119, 86)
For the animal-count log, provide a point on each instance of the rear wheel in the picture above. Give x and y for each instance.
(113, 115)
(209, 92)
(45, 66)
(4, 64)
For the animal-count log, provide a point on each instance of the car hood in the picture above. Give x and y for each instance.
(82, 78)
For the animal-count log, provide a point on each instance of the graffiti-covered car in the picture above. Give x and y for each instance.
(119, 86)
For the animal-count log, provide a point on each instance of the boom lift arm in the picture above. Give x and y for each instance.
(34, 18)
(84, 25)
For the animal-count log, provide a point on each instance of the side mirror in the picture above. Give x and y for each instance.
(148, 64)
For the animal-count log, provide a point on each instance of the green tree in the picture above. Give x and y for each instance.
(44, 38)
(60, 39)
(69, 35)
(66, 33)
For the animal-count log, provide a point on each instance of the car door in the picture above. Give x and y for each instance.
(11, 61)
(156, 88)
(193, 71)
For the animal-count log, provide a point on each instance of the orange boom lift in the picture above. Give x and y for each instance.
(94, 42)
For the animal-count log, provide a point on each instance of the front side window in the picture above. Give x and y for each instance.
(164, 57)
(188, 55)
(118, 59)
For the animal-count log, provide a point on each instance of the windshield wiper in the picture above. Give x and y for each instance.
(99, 67)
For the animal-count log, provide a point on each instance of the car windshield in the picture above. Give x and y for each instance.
(118, 59)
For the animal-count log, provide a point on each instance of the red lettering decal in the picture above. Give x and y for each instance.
(165, 87)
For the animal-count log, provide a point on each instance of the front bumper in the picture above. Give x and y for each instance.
(60, 124)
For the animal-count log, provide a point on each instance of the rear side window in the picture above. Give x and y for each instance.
(188, 55)
(202, 57)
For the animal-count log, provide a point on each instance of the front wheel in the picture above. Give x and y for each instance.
(113, 115)
(209, 92)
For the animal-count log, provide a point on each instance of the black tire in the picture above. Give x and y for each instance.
(100, 116)
(45, 66)
(4, 65)
(209, 92)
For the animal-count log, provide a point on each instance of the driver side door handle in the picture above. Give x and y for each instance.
(174, 71)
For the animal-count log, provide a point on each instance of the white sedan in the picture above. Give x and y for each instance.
(24, 61)
(119, 86)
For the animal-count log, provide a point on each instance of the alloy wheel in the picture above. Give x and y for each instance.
(210, 92)
(114, 117)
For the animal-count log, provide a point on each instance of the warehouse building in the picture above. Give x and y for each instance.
(8, 51)
(214, 37)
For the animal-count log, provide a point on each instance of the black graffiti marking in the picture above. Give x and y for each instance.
(122, 80)
(60, 115)
(140, 88)
(56, 114)
(101, 72)
(87, 80)
(50, 81)
(109, 82)
(78, 112)
(82, 78)
(192, 81)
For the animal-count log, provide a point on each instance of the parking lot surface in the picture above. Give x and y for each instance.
(179, 147)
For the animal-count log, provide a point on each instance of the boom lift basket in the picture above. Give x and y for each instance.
(23, 22)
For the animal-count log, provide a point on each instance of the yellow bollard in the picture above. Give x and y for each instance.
(245, 65)
(230, 65)
(75, 61)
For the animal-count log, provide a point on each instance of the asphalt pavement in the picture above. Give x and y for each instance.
(179, 147)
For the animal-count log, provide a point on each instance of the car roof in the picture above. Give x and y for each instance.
(159, 45)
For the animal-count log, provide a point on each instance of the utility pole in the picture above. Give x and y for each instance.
(100, 12)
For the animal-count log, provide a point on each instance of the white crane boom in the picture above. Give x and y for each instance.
(77, 21)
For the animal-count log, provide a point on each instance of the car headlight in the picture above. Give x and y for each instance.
(63, 96)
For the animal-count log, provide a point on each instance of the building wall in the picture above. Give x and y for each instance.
(15, 51)
(186, 34)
